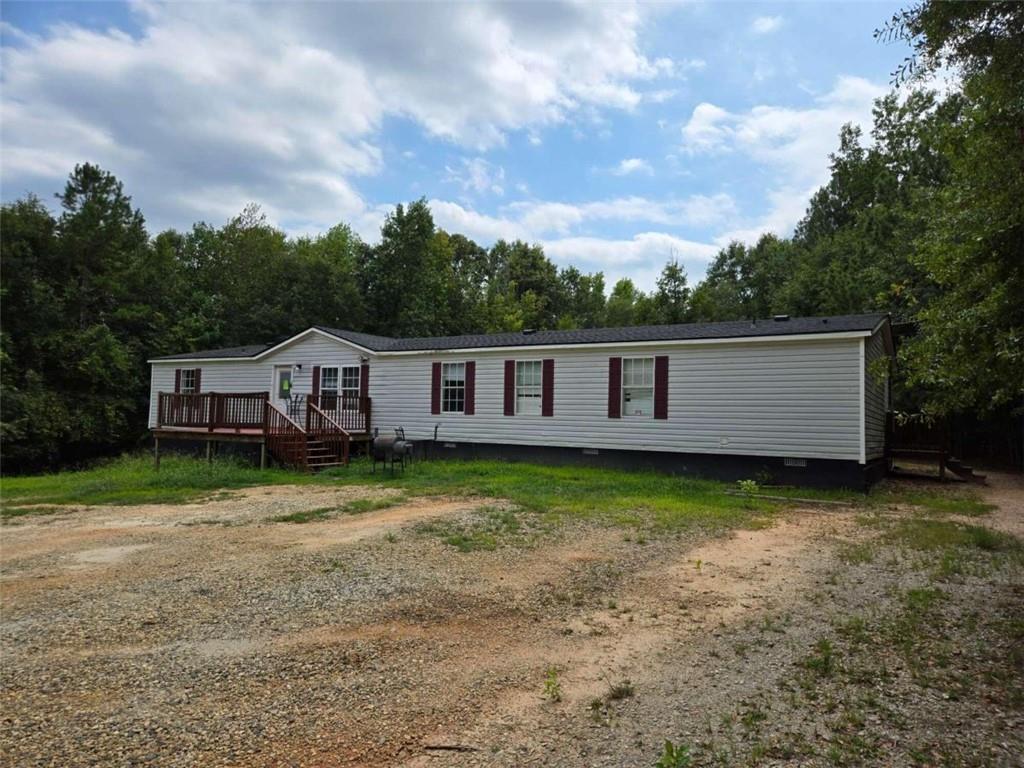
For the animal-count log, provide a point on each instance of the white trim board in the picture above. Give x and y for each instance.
(266, 352)
(863, 405)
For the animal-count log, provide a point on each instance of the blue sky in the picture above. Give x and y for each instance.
(618, 136)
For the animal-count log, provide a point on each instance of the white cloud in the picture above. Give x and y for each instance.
(560, 228)
(660, 97)
(541, 218)
(707, 129)
(640, 258)
(477, 175)
(538, 220)
(282, 104)
(631, 165)
(454, 217)
(794, 143)
(764, 25)
(796, 140)
(643, 248)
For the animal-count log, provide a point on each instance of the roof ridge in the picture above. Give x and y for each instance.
(781, 325)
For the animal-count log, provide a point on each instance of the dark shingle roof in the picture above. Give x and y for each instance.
(689, 331)
(367, 340)
(250, 350)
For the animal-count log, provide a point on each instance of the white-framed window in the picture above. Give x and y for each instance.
(329, 380)
(638, 386)
(453, 388)
(350, 386)
(528, 387)
(188, 381)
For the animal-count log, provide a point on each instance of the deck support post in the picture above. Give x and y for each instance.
(263, 455)
(209, 451)
(156, 453)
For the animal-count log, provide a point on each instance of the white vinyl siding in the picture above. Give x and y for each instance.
(529, 387)
(798, 399)
(875, 398)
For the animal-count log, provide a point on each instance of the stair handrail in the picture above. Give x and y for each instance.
(285, 438)
(319, 424)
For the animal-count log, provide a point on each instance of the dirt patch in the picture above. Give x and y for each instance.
(346, 529)
(105, 555)
(660, 610)
(1006, 491)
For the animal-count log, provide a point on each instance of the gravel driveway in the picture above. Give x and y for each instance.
(209, 634)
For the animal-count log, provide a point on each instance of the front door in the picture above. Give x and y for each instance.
(283, 389)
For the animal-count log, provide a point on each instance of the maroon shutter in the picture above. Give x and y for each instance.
(547, 390)
(364, 379)
(661, 387)
(199, 379)
(435, 388)
(510, 387)
(177, 379)
(614, 387)
(316, 381)
(470, 407)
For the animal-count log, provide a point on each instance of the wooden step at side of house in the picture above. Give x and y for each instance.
(965, 471)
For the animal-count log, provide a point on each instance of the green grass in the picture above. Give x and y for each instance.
(133, 480)
(929, 534)
(823, 661)
(8, 513)
(648, 501)
(487, 527)
(942, 502)
(306, 515)
(637, 498)
(856, 553)
(357, 507)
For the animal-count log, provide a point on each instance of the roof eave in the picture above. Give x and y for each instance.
(267, 351)
(657, 342)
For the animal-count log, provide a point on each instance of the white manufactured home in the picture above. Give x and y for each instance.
(797, 399)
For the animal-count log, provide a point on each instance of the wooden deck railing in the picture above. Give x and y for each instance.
(324, 429)
(350, 412)
(211, 410)
(915, 431)
(286, 440)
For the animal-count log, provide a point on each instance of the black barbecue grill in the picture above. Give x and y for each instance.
(391, 449)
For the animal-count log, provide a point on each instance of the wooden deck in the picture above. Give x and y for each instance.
(322, 438)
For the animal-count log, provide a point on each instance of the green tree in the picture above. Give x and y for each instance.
(407, 276)
(969, 352)
(622, 304)
(671, 300)
(324, 289)
(524, 289)
(86, 299)
(744, 282)
(584, 301)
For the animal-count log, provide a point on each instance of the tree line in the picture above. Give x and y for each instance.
(925, 221)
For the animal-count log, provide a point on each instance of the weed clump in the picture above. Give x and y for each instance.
(552, 686)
